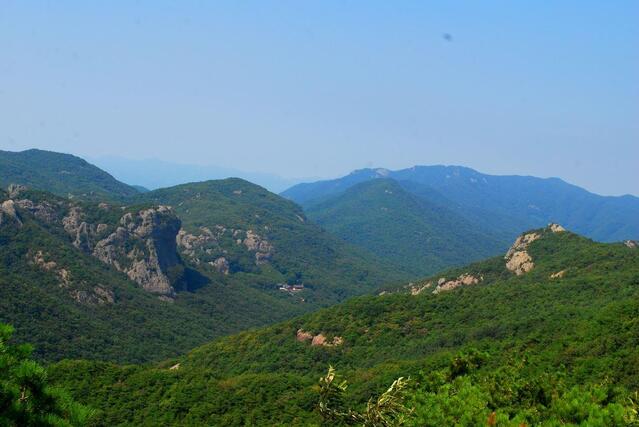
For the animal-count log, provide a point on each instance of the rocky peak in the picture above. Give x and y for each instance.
(518, 260)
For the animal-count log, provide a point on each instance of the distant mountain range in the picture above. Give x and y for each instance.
(153, 173)
(122, 282)
(499, 205)
(421, 234)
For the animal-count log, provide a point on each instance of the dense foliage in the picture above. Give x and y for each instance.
(26, 398)
(303, 253)
(529, 349)
(51, 313)
(137, 326)
(418, 235)
(504, 204)
(61, 174)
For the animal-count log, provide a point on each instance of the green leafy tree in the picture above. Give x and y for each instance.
(25, 397)
(387, 410)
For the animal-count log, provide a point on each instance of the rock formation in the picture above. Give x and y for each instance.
(518, 260)
(152, 233)
(212, 246)
(464, 279)
(8, 212)
(319, 339)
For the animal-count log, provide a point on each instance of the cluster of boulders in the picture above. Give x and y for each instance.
(319, 339)
(207, 246)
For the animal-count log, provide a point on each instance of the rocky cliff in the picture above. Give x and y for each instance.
(150, 235)
(138, 242)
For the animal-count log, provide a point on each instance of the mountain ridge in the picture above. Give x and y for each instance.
(417, 234)
(59, 173)
(545, 332)
(507, 204)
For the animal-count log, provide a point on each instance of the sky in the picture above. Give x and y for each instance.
(320, 88)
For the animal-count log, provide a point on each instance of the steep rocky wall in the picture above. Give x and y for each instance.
(141, 244)
(151, 234)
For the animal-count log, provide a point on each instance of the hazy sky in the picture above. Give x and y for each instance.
(318, 88)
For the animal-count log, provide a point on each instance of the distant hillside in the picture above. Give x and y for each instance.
(421, 235)
(243, 233)
(61, 174)
(532, 338)
(504, 204)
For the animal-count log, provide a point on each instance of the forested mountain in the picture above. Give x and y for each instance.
(420, 235)
(543, 336)
(505, 204)
(143, 280)
(61, 174)
(103, 281)
(246, 234)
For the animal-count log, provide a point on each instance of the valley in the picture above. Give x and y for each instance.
(221, 303)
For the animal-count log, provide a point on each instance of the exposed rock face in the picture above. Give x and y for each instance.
(39, 260)
(212, 246)
(632, 244)
(416, 289)
(520, 262)
(99, 296)
(517, 258)
(8, 212)
(558, 275)
(15, 189)
(303, 335)
(464, 279)
(189, 242)
(221, 265)
(141, 244)
(79, 229)
(44, 211)
(154, 230)
(96, 296)
(263, 249)
(319, 339)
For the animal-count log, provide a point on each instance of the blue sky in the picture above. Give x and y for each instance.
(319, 88)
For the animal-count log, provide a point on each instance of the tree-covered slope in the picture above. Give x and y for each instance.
(246, 234)
(81, 280)
(61, 174)
(555, 344)
(419, 235)
(501, 203)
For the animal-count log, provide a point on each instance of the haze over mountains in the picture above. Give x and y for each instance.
(222, 256)
(504, 204)
(153, 174)
(229, 300)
